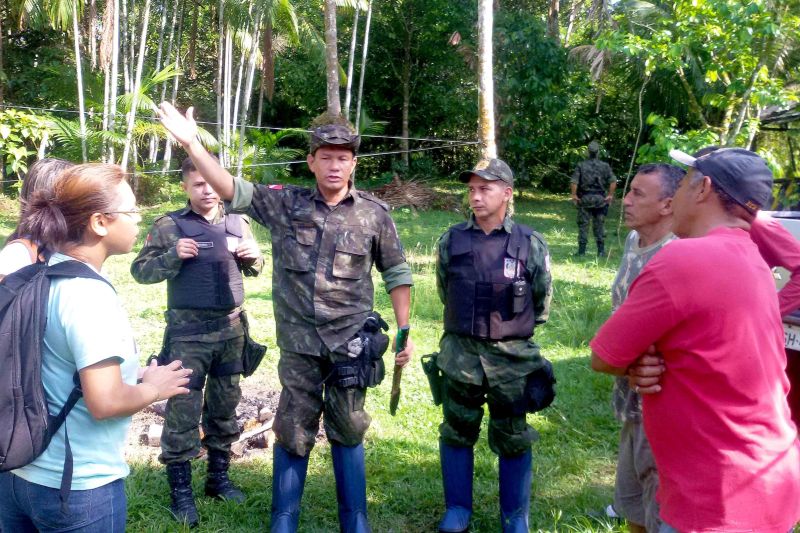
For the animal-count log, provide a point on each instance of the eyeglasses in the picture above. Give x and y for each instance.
(135, 212)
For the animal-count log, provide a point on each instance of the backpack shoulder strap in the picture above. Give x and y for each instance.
(74, 269)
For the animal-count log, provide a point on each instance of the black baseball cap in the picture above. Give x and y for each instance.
(742, 174)
(336, 135)
(490, 169)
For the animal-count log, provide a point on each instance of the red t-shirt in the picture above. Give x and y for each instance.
(725, 447)
(778, 247)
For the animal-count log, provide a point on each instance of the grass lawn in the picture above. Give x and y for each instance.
(573, 460)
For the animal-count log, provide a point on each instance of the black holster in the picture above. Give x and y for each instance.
(540, 388)
(364, 367)
(435, 376)
(253, 353)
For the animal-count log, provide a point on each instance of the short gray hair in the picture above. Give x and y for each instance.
(670, 177)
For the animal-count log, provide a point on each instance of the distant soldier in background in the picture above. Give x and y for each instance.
(202, 252)
(592, 185)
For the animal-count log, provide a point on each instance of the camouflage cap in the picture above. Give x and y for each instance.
(334, 135)
(490, 169)
(594, 147)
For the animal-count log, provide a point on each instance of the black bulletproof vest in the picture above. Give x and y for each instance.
(480, 275)
(212, 279)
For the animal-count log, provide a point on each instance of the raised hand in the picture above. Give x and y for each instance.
(182, 127)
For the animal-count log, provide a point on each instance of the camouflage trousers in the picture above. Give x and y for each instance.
(304, 398)
(214, 407)
(462, 406)
(597, 216)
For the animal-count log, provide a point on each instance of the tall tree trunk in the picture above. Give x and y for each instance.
(485, 80)
(552, 21)
(78, 71)
(220, 70)
(175, 81)
(92, 19)
(248, 91)
(126, 44)
(331, 60)
(267, 70)
(136, 86)
(193, 42)
(171, 43)
(573, 13)
(237, 100)
(406, 84)
(740, 116)
(363, 66)
(2, 38)
(350, 61)
(114, 83)
(226, 111)
(153, 152)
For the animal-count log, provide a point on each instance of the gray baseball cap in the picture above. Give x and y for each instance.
(742, 174)
(334, 135)
(490, 169)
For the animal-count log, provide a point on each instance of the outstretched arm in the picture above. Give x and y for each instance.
(184, 129)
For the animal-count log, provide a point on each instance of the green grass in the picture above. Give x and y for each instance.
(573, 460)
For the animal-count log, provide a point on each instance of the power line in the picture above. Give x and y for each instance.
(207, 123)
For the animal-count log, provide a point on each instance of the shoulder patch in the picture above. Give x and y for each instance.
(275, 187)
(374, 199)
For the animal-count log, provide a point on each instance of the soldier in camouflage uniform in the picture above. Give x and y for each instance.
(486, 353)
(324, 243)
(201, 252)
(593, 185)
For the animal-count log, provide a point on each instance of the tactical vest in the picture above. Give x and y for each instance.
(480, 275)
(212, 279)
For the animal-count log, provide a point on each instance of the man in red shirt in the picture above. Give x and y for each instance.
(720, 429)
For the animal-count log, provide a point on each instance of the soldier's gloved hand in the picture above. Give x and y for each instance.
(248, 249)
(644, 375)
(404, 357)
(186, 248)
(183, 128)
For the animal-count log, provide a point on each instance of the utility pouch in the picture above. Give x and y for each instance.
(252, 353)
(540, 388)
(434, 374)
(364, 366)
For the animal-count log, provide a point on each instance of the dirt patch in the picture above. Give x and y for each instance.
(257, 406)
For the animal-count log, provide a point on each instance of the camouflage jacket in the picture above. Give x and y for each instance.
(322, 260)
(467, 359)
(158, 261)
(593, 178)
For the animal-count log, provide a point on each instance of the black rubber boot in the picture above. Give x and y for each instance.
(581, 249)
(183, 508)
(601, 249)
(218, 485)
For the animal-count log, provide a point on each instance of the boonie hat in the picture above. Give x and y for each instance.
(742, 174)
(334, 135)
(490, 169)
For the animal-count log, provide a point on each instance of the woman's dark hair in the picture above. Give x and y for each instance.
(41, 176)
(60, 216)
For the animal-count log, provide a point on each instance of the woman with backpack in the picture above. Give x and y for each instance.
(20, 250)
(89, 215)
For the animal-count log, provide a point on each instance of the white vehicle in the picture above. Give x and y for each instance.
(791, 323)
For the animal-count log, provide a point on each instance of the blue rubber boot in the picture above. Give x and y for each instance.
(351, 487)
(288, 481)
(515, 492)
(457, 466)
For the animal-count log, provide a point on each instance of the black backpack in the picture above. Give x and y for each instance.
(23, 403)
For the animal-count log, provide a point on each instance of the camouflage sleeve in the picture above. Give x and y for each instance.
(576, 175)
(158, 259)
(611, 177)
(541, 279)
(263, 203)
(389, 250)
(396, 276)
(442, 259)
(252, 267)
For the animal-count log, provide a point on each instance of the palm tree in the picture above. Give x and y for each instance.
(332, 60)
(485, 80)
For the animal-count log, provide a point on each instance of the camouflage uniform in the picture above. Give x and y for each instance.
(593, 179)
(322, 292)
(495, 372)
(158, 261)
